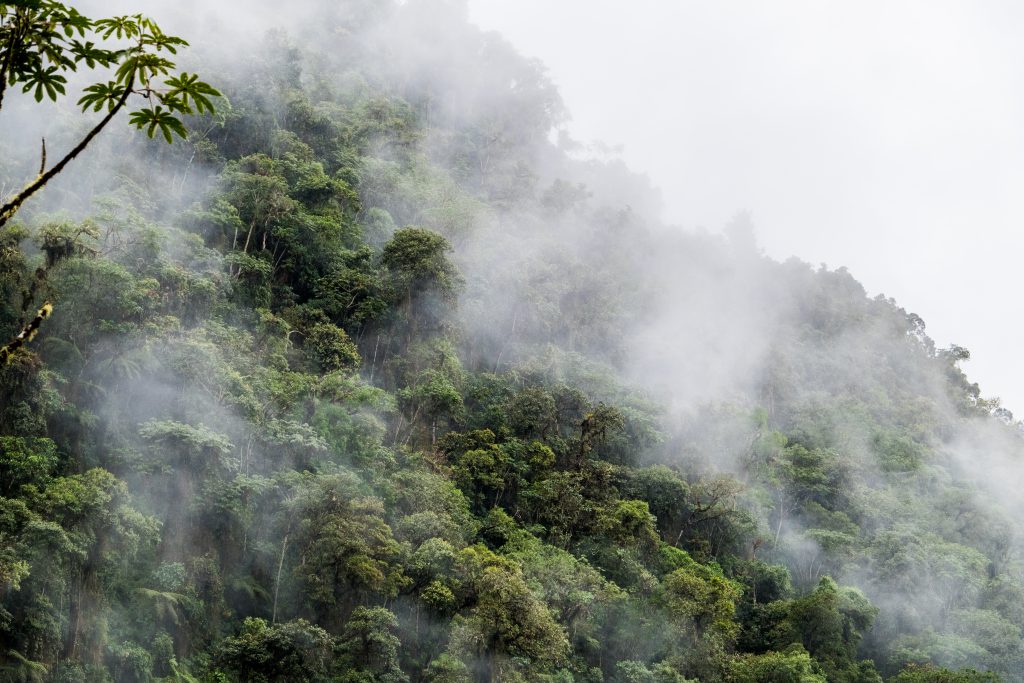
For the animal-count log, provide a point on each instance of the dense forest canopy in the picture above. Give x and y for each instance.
(379, 377)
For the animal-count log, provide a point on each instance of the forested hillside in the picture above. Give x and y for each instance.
(378, 377)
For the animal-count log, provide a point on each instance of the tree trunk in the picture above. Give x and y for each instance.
(277, 581)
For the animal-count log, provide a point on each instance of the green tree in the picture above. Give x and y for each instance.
(261, 652)
(792, 666)
(369, 648)
(830, 623)
(25, 461)
(507, 621)
(702, 601)
(184, 456)
(347, 550)
(84, 550)
(423, 278)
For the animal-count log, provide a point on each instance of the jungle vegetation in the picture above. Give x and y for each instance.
(358, 381)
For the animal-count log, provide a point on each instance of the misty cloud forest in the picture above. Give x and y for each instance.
(374, 374)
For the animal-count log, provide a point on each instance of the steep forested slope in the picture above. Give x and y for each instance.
(376, 379)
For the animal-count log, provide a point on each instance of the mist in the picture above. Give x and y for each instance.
(881, 138)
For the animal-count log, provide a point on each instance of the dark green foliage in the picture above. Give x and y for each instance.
(293, 651)
(418, 264)
(332, 347)
(25, 461)
(368, 647)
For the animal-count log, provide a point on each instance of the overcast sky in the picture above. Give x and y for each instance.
(885, 136)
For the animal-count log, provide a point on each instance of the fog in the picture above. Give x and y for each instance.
(881, 146)
(880, 136)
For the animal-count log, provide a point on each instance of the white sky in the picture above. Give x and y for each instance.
(881, 135)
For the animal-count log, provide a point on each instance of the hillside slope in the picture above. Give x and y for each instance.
(378, 379)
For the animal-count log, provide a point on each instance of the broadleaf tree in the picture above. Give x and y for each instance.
(42, 41)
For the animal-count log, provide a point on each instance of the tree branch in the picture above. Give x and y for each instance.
(26, 334)
(10, 208)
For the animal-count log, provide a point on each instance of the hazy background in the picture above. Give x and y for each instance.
(881, 136)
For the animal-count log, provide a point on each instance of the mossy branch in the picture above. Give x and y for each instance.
(26, 335)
